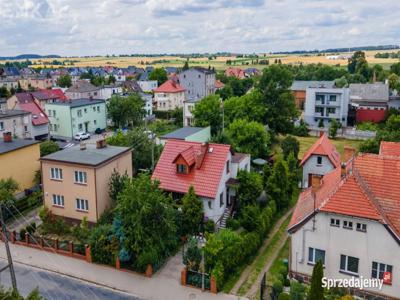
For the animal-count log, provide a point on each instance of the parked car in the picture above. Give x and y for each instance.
(81, 136)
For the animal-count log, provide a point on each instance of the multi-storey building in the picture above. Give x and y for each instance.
(198, 82)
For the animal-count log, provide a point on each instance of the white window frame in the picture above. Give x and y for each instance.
(335, 222)
(381, 268)
(80, 177)
(82, 204)
(58, 200)
(313, 252)
(348, 224)
(56, 174)
(347, 264)
(362, 227)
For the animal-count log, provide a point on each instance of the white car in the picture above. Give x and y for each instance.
(81, 136)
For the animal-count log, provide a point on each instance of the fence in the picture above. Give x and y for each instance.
(346, 133)
(195, 279)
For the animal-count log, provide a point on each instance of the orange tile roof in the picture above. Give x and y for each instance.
(170, 86)
(324, 147)
(204, 177)
(389, 148)
(371, 191)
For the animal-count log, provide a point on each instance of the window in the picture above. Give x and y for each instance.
(331, 110)
(319, 160)
(332, 98)
(319, 97)
(79, 112)
(94, 122)
(1, 126)
(315, 255)
(56, 173)
(362, 227)
(82, 204)
(221, 199)
(319, 110)
(98, 108)
(80, 127)
(85, 110)
(181, 169)
(58, 200)
(94, 108)
(348, 225)
(335, 222)
(209, 204)
(227, 167)
(349, 264)
(378, 269)
(80, 177)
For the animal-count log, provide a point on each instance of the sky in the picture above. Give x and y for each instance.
(99, 27)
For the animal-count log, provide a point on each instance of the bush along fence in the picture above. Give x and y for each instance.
(62, 247)
(195, 279)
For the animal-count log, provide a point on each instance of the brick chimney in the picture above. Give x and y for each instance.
(201, 154)
(101, 144)
(7, 137)
(349, 153)
(316, 182)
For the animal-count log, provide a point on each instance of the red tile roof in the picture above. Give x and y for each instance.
(235, 72)
(170, 86)
(204, 177)
(38, 115)
(390, 148)
(50, 94)
(324, 147)
(370, 191)
(219, 84)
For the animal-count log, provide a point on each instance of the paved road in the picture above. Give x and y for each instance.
(54, 286)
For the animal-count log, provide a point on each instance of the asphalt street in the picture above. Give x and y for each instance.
(54, 286)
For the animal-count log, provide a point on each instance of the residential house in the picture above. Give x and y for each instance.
(19, 159)
(36, 82)
(148, 103)
(79, 115)
(370, 101)
(198, 82)
(169, 96)
(350, 221)
(250, 72)
(40, 122)
(188, 107)
(190, 134)
(107, 91)
(148, 85)
(235, 72)
(9, 83)
(206, 167)
(9, 73)
(131, 86)
(18, 122)
(319, 160)
(48, 96)
(299, 88)
(219, 85)
(83, 89)
(326, 104)
(75, 180)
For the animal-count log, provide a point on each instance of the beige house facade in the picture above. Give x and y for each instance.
(75, 180)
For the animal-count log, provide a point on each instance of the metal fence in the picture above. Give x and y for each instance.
(195, 278)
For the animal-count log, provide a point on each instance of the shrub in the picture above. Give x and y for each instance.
(103, 245)
(106, 217)
(284, 296)
(52, 223)
(145, 258)
(290, 144)
(22, 233)
(277, 287)
(192, 256)
(209, 226)
(232, 223)
(296, 290)
(31, 228)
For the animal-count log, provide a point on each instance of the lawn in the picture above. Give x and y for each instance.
(307, 142)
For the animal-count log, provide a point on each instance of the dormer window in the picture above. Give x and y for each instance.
(182, 169)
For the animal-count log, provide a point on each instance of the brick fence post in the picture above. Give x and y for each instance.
(13, 234)
(88, 254)
(117, 263)
(26, 238)
(213, 285)
(149, 270)
(56, 244)
(71, 247)
(184, 276)
(41, 242)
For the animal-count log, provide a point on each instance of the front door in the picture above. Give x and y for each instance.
(86, 126)
(228, 197)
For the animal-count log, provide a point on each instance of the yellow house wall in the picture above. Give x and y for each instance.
(21, 165)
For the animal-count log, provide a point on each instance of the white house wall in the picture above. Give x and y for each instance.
(311, 167)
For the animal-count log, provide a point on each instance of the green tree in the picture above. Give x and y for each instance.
(394, 81)
(316, 290)
(321, 123)
(249, 137)
(294, 173)
(341, 82)
(48, 147)
(290, 145)
(301, 129)
(192, 212)
(147, 221)
(116, 184)
(126, 111)
(207, 112)
(64, 81)
(333, 128)
(278, 100)
(186, 65)
(111, 79)
(357, 62)
(250, 187)
(160, 75)
(8, 187)
(278, 185)
(4, 93)
(192, 256)
(395, 68)
(249, 107)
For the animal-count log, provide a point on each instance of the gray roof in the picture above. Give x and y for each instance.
(90, 156)
(302, 85)
(79, 102)
(374, 92)
(82, 86)
(15, 144)
(182, 133)
(12, 113)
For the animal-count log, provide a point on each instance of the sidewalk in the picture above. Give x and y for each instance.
(165, 284)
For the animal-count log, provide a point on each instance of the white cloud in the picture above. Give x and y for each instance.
(75, 27)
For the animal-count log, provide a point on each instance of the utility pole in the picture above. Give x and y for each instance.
(9, 258)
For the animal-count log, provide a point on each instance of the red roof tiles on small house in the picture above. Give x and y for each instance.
(371, 190)
(38, 115)
(206, 166)
(235, 72)
(50, 94)
(323, 147)
(170, 86)
(389, 149)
